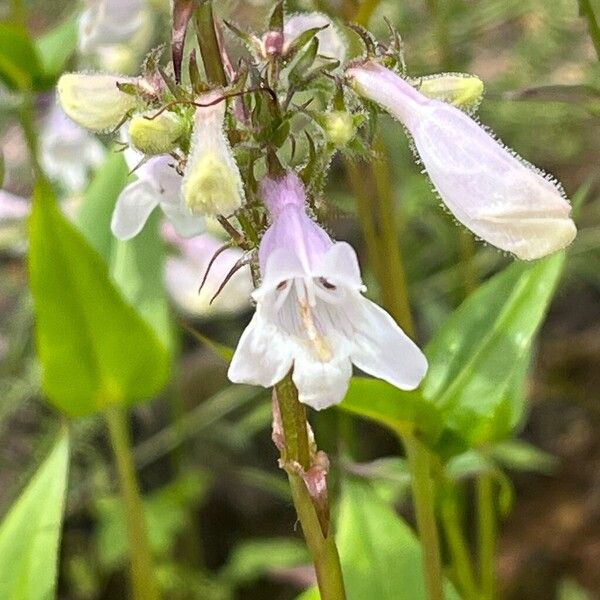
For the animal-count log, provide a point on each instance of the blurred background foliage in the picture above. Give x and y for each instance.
(221, 522)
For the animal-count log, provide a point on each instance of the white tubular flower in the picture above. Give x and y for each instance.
(68, 152)
(487, 187)
(331, 40)
(311, 315)
(212, 184)
(157, 184)
(94, 101)
(185, 270)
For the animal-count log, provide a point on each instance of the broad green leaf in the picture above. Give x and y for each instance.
(20, 67)
(56, 46)
(99, 201)
(380, 555)
(94, 348)
(30, 532)
(382, 402)
(476, 356)
(137, 266)
(255, 558)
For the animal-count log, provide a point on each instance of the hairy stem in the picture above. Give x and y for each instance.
(143, 583)
(297, 459)
(487, 535)
(424, 500)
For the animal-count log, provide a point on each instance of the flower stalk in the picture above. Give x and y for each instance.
(487, 531)
(143, 582)
(306, 474)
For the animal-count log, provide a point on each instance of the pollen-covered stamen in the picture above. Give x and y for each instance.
(306, 302)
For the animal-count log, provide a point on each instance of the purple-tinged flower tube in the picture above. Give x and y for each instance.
(311, 315)
(486, 186)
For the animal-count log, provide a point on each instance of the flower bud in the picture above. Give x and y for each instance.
(212, 184)
(461, 90)
(272, 43)
(339, 127)
(94, 101)
(492, 191)
(158, 135)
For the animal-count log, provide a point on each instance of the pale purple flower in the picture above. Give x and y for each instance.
(157, 184)
(186, 270)
(487, 187)
(68, 152)
(13, 208)
(311, 315)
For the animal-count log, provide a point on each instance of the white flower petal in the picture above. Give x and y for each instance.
(340, 265)
(321, 383)
(133, 208)
(186, 225)
(383, 350)
(263, 355)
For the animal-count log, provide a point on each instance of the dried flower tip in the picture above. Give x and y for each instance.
(94, 101)
(156, 135)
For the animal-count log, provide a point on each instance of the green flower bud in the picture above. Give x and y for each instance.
(94, 101)
(155, 136)
(461, 90)
(339, 127)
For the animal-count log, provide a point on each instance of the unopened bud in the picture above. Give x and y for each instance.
(212, 184)
(94, 101)
(464, 91)
(272, 43)
(155, 135)
(339, 127)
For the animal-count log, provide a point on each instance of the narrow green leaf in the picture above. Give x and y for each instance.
(30, 532)
(94, 348)
(382, 402)
(20, 66)
(476, 356)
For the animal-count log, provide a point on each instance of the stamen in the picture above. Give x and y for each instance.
(318, 341)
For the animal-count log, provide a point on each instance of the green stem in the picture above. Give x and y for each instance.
(317, 531)
(459, 549)
(487, 535)
(209, 44)
(392, 265)
(587, 11)
(27, 119)
(424, 500)
(143, 583)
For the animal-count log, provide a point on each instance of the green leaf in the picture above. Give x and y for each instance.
(168, 513)
(55, 48)
(30, 532)
(476, 356)
(94, 348)
(252, 559)
(137, 266)
(99, 201)
(20, 67)
(399, 410)
(380, 555)
(519, 455)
